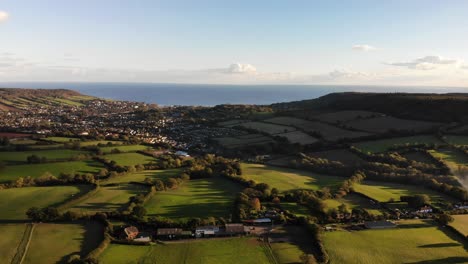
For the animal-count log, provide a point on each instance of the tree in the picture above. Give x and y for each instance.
(444, 219)
(342, 208)
(255, 203)
(139, 211)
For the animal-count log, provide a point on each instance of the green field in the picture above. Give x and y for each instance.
(110, 198)
(124, 148)
(461, 223)
(12, 235)
(268, 128)
(61, 139)
(129, 159)
(299, 137)
(226, 251)
(289, 243)
(19, 157)
(344, 116)
(10, 173)
(385, 144)
(418, 156)
(288, 179)
(452, 157)
(195, 198)
(416, 243)
(245, 140)
(456, 140)
(383, 191)
(353, 201)
(54, 243)
(140, 176)
(342, 155)
(21, 199)
(296, 209)
(388, 123)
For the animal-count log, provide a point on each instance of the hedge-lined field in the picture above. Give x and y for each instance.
(461, 223)
(129, 159)
(140, 176)
(20, 157)
(385, 144)
(10, 240)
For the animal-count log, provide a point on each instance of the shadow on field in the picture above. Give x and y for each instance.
(455, 237)
(440, 245)
(449, 260)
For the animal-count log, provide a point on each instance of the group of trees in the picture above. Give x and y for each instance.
(165, 161)
(48, 179)
(416, 200)
(211, 165)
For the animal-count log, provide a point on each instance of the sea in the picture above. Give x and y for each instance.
(215, 94)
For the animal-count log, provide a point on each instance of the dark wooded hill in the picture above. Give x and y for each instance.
(430, 107)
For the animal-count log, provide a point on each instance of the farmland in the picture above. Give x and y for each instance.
(140, 176)
(110, 198)
(383, 192)
(195, 198)
(10, 173)
(342, 155)
(288, 179)
(11, 238)
(418, 156)
(289, 243)
(452, 157)
(21, 199)
(47, 242)
(124, 148)
(456, 140)
(419, 242)
(353, 201)
(385, 144)
(345, 116)
(388, 123)
(228, 251)
(270, 129)
(460, 223)
(19, 157)
(242, 141)
(299, 138)
(129, 159)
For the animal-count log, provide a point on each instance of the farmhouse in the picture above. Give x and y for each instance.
(379, 224)
(233, 229)
(169, 232)
(259, 221)
(131, 232)
(206, 231)
(424, 210)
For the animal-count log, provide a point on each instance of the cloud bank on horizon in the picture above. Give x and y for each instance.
(161, 42)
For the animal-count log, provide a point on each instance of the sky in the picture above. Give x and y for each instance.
(409, 42)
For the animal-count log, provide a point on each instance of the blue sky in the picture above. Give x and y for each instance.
(298, 42)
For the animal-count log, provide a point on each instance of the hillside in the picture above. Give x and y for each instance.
(13, 99)
(429, 107)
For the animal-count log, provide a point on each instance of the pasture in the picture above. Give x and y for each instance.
(460, 223)
(342, 155)
(21, 199)
(296, 209)
(383, 145)
(124, 148)
(456, 140)
(345, 116)
(242, 141)
(129, 159)
(226, 251)
(353, 201)
(418, 156)
(20, 157)
(62, 139)
(195, 198)
(11, 238)
(388, 123)
(288, 179)
(418, 242)
(140, 176)
(271, 129)
(299, 138)
(384, 191)
(453, 157)
(11, 173)
(54, 243)
(109, 198)
(289, 243)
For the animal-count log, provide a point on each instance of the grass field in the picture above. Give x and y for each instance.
(21, 199)
(452, 157)
(19, 157)
(289, 243)
(268, 128)
(342, 155)
(344, 116)
(288, 179)
(299, 137)
(110, 198)
(62, 139)
(242, 141)
(388, 123)
(456, 140)
(129, 159)
(415, 243)
(54, 243)
(12, 234)
(385, 144)
(226, 251)
(461, 223)
(418, 156)
(383, 191)
(10, 173)
(353, 201)
(140, 176)
(296, 209)
(125, 148)
(195, 198)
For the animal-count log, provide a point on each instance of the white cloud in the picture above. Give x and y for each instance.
(239, 68)
(427, 63)
(3, 16)
(364, 47)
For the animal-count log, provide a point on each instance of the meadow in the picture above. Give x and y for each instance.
(195, 198)
(242, 141)
(342, 155)
(288, 179)
(452, 157)
(10, 173)
(383, 191)
(20, 157)
(418, 156)
(385, 144)
(388, 123)
(268, 128)
(109, 197)
(353, 201)
(47, 243)
(345, 116)
(296, 209)
(290, 243)
(21, 199)
(226, 251)
(299, 138)
(124, 148)
(11, 238)
(129, 159)
(418, 242)
(456, 140)
(460, 223)
(140, 176)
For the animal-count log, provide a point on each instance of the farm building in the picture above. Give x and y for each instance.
(379, 224)
(169, 232)
(131, 232)
(206, 231)
(259, 221)
(233, 229)
(424, 210)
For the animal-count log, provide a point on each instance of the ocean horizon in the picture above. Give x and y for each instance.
(216, 94)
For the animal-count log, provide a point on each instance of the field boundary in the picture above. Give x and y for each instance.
(78, 199)
(23, 246)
